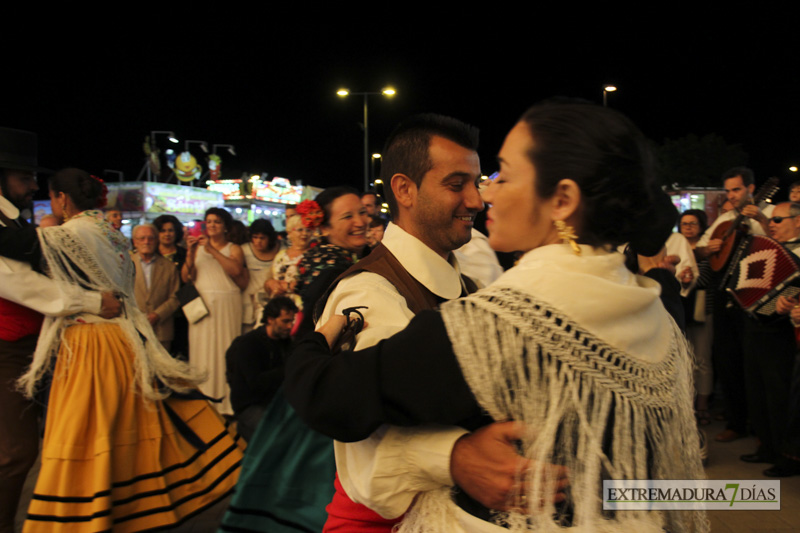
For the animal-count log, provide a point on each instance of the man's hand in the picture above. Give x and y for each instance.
(784, 305)
(752, 211)
(714, 245)
(110, 306)
(486, 465)
(152, 318)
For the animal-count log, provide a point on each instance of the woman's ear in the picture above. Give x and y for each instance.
(566, 200)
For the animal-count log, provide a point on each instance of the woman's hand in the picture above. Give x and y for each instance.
(333, 328)
(275, 287)
(687, 276)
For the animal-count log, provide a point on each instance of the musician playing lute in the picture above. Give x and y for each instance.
(728, 322)
(739, 185)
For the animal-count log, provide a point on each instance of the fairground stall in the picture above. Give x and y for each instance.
(143, 201)
(250, 198)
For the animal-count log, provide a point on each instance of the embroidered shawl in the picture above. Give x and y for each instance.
(87, 251)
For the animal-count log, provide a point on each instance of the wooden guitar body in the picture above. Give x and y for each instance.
(729, 236)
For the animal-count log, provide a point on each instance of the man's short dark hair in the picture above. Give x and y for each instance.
(748, 178)
(277, 305)
(406, 149)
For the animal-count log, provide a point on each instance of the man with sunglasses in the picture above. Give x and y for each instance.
(769, 353)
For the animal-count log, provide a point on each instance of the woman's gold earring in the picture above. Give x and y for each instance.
(567, 235)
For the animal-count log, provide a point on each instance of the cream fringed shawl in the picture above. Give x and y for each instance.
(526, 359)
(89, 252)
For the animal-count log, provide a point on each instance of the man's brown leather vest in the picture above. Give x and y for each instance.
(382, 262)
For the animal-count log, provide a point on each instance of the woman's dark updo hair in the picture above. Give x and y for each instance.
(161, 220)
(325, 199)
(700, 215)
(223, 214)
(612, 163)
(84, 190)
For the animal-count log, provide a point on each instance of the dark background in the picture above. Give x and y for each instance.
(265, 82)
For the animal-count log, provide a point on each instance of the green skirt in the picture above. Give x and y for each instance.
(287, 476)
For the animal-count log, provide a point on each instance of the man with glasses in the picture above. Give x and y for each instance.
(156, 283)
(769, 353)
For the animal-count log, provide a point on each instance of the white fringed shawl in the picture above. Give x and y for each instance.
(526, 359)
(88, 251)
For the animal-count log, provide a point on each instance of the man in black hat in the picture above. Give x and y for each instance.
(25, 296)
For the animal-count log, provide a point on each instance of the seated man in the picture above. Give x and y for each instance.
(254, 364)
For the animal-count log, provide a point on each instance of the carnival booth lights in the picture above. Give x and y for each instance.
(143, 201)
(250, 198)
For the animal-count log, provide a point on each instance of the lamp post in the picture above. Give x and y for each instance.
(203, 145)
(388, 92)
(607, 89)
(153, 151)
(228, 146)
(372, 166)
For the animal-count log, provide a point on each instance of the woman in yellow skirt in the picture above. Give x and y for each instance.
(129, 443)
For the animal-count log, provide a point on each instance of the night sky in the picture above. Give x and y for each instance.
(267, 85)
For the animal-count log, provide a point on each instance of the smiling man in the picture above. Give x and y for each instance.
(430, 168)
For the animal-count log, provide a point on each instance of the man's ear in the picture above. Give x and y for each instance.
(566, 200)
(404, 189)
(751, 188)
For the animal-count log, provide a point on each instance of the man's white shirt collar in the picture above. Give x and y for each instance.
(443, 278)
(8, 209)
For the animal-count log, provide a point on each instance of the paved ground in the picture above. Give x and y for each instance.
(723, 463)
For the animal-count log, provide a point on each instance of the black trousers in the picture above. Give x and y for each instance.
(728, 358)
(19, 432)
(769, 351)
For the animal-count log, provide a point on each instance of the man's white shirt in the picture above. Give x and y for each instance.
(387, 470)
(20, 284)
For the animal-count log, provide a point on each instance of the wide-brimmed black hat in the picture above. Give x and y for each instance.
(18, 150)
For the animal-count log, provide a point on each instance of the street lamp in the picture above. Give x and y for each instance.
(228, 146)
(153, 153)
(607, 89)
(372, 165)
(386, 91)
(203, 145)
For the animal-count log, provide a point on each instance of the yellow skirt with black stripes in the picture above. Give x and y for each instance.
(114, 461)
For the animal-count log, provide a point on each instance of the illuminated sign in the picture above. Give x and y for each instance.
(279, 190)
(162, 198)
(230, 189)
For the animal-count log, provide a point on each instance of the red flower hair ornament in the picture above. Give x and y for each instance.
(102, 200)
(310, 213)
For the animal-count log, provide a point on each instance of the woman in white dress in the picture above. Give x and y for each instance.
(285, 266)
(216, 266)
(259, 256)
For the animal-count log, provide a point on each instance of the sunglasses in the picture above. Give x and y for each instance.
(778, 220)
